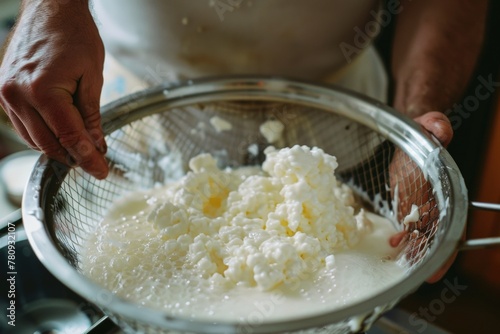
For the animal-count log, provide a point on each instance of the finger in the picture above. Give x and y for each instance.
(66, 124)
(396, 239)
(32, 127)
(20, 129)
(40, 135)
(87, 100)
(443, 270)
(438, 125)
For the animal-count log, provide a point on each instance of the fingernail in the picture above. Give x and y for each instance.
(99, 141)
(102, 169)
(101, 145)
(101, 175)
(71, 161)
(103, 148)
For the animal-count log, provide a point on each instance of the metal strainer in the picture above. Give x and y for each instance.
(151, 135)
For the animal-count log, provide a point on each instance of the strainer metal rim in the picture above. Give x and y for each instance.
(398, 128)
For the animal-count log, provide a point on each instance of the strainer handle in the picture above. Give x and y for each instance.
(482, 242)
(485, 206)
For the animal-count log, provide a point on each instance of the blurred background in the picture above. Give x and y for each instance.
(475, 148)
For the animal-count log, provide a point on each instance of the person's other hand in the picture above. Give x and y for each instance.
(414, 189)
(51, 79)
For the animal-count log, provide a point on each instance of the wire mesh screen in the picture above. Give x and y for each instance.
(156, 149)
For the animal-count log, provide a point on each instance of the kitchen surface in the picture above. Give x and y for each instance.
(466, 300)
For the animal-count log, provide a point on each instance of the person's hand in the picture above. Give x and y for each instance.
(51, 79)
(414, 189)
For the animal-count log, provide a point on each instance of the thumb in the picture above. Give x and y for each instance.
(438, 125)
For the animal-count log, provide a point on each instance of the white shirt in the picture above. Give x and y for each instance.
(168, 40)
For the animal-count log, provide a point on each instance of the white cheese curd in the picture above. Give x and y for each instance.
(253, 149)
(220, 124)
(272, 130)
(246, 244)
(412, 217)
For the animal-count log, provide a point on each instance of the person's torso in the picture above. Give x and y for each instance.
(193, 38)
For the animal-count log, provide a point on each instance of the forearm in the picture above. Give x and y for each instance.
(53, 8)
(54, 4)
(47, 8)
(436, 46)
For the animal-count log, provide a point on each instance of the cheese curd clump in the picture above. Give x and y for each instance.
(255, 227)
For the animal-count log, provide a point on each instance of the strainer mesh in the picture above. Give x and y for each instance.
(157, 148)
